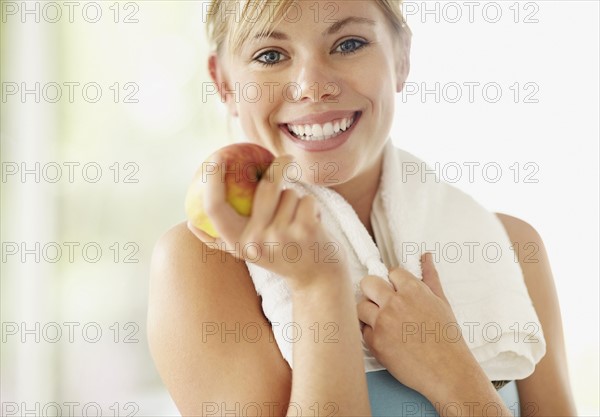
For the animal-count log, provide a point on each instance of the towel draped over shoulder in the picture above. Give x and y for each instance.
(412, 214)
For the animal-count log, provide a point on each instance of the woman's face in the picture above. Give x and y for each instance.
(320, 88)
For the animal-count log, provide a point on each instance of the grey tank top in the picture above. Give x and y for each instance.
(388, 397)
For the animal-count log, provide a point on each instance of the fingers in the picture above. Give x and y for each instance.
(401, 278)
(431, 277)
(201, 235)
(367, 312)
(277, 214)
(208, 240)
(230, 225)
(376, 289)
(367, 332)
(405, 281)
(227, 222)
(204, 237)
(292, 207)
(268, 191)
(286, 210)
(308, 212)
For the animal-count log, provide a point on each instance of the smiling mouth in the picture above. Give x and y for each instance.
(321, 132)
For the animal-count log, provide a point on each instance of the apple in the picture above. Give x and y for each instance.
(241, 165)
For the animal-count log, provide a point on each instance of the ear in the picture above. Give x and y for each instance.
(402, 60)
(218, 75)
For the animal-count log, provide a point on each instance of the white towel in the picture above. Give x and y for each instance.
(411, 215)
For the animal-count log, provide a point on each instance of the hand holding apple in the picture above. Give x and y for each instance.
(256, 220)
(242, 167)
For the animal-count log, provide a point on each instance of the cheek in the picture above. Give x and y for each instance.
(383, 92)
(376, 81)
(257, 109)
(380, 93)
(256, 105)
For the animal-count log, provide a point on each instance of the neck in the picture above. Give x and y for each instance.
(360, 193)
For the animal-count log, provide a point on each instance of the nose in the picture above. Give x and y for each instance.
(316, 82)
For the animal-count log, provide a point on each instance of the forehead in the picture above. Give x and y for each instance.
(260, 18)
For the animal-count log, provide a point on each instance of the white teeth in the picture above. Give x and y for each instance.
(321, 132)
(317, 130)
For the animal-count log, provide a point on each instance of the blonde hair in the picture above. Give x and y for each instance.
(256, 15)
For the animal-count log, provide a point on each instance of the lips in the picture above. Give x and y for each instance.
(321, 126)
(322, 136)
(321, 131)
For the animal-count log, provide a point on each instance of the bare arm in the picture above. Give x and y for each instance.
(547, 391)
(197, 310)
(192, 290)
(329, 371)
(197, 314)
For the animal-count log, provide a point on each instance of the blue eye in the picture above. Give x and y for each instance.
(350, 46)
(270, 58)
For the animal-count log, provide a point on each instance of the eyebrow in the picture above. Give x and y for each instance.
(274, 35)
(336, 27)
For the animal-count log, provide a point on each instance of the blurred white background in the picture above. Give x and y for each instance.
(134, 151)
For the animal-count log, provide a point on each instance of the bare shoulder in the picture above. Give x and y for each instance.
(181, 259)
(518, 228)
(547, 391)
(207, 334)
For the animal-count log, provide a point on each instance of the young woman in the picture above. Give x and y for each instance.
(346, 60)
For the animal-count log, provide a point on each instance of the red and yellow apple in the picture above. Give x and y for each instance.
(240, 167)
